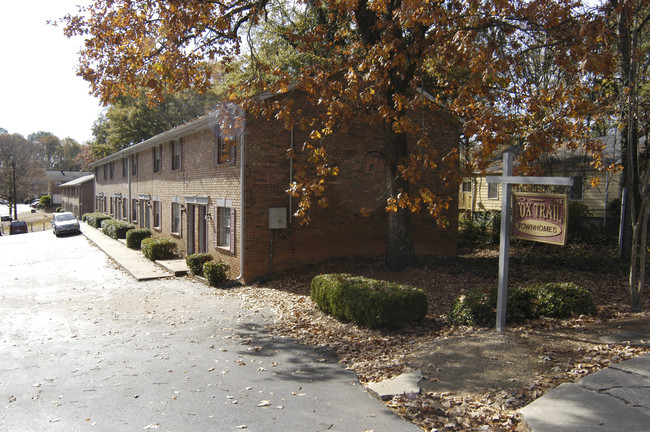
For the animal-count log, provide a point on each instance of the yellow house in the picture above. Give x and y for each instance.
(476, 195)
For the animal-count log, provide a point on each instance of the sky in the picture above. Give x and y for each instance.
(39, 89)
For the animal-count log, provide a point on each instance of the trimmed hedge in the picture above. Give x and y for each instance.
(156, 248)
(135, 236)
(215, 272)
(554, 300)
(195, 262)
(368, 302)
(95, 219)
(560, 300)
(116, 229)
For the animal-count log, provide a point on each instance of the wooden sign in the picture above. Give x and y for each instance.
(540, 217)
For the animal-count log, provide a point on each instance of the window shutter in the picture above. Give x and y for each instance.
(233, 225)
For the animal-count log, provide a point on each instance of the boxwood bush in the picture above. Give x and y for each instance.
(156, 248)
(135, 236)
(560, 300)
(215, 272)
(116, 229)
(95, 219)
(554, 300)
(479, 307)
(368, 302)
(195, 262)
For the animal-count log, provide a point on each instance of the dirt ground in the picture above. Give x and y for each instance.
(475, 378)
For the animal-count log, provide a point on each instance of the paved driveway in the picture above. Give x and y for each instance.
(83, 347)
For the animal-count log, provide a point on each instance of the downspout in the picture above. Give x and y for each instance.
(241, 209)
(128, 180)
(292, 142)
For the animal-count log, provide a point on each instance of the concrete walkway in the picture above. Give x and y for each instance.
(132, 261)
(614, 399)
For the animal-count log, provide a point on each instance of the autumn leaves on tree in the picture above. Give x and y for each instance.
(512, 72)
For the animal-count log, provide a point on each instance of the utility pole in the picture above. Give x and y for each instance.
(13, 165)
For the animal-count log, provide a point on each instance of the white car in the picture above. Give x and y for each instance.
(65, 222)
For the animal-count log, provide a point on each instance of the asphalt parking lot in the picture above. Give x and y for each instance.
(84, 347)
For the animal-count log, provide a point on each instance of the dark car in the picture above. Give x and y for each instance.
(18, 227)
(65, 222)
(5, 218)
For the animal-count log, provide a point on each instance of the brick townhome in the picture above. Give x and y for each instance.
(223, 190)
(77, 196)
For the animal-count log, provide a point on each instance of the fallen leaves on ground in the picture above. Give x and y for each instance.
(376, 355)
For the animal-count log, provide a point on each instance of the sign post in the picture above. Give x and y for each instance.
(507, 180)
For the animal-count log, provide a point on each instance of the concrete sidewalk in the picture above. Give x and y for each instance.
(614, 399)
(132, 261)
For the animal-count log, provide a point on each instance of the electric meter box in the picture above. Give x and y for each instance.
(278, 218)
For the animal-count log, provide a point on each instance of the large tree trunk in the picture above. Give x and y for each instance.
(400, 251)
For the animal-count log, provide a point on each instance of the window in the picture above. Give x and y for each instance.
(156, 214)
(157, 158)
(124, 167)
(176, 218)
(112, 169)
(224, 148)
(467, 186)
(134, 210)
(105, 171)
(493, 191)
(575, 193)
(134, 165)
(176, 154)
(224, 227)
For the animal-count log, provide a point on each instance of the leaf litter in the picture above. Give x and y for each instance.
(547, 352)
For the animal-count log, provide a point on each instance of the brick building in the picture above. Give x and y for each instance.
(55, 178)
(218, 184)
(78, 196)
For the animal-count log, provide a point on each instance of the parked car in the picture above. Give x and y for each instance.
(5, 218)
(65, 222)
(18, 227)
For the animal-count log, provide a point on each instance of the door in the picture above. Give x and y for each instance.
(191, 224)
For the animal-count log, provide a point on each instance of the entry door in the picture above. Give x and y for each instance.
(191, 224)
(203, 229)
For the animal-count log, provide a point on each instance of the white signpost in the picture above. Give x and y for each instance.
(507, 180)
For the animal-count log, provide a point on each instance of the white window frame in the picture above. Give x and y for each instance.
(176, 218)
(177, 152)
(224, 218)
(493, 191)
(157, 158)
(156, 214)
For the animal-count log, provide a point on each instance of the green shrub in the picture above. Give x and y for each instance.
(580, 225)
(45, 201)
(135, 236)
(554, 300)
(195, 262)
(368, 302)
(116, 229)
(215, 272)
(95, 219)
(479, 307)
(560, 300)
(480, 229)
(156, 248)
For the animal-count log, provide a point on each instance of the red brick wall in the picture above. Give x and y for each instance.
(336, 231)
